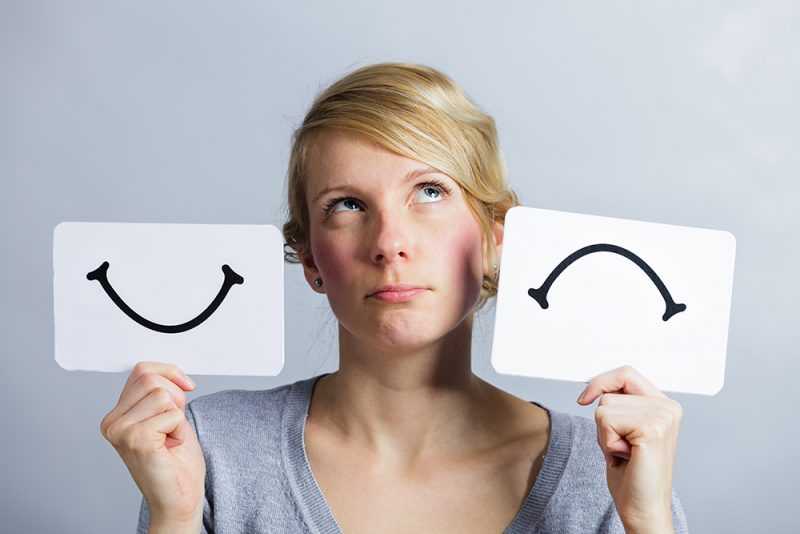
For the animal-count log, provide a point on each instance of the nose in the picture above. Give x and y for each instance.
(391, 239)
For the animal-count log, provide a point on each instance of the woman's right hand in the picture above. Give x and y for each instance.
(149, 430)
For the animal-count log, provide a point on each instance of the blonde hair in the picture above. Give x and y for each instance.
(417, 112)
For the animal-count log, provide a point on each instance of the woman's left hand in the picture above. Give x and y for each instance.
(637, 429)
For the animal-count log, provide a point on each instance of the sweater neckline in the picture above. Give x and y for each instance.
(318, 514)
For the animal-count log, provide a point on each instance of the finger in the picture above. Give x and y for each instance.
(613, 428)
(180, 434)
(145, 377)
(156, 402)
(641, 401)
(656, 429)
(617, 449)
(142, 388)
(665, 411)
(150, 434)
(623, 379)
(167, 370)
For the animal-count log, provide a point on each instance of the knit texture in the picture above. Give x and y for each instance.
(258, 478)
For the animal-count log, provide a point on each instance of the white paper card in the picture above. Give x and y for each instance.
(580, 295)
(206, 297)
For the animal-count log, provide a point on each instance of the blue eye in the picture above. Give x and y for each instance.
(426, 193)
(431, 192)
(345, 201)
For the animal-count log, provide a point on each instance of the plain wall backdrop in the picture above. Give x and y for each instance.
(681, 113)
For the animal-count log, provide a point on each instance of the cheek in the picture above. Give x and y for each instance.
(461, 252)
(333, 259)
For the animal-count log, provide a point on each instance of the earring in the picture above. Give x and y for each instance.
(318, 282)
(494, 268)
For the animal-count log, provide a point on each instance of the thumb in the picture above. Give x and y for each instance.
(180, 434)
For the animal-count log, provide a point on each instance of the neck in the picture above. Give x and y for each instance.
(405, 405)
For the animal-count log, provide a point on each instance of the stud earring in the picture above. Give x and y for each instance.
(494, 268)
(318, 282)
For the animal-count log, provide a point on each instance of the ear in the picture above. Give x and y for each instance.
(311, 273)
(497, 233)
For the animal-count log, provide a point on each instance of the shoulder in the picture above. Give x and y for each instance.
(585, 452)
(244, 415)
(240, 401)
(575, 478)
(242, 434)
(575, 443)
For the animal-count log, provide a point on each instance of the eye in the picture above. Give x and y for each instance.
(433, 191)
(350, 203)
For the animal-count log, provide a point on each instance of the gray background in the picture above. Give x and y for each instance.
(682, 113)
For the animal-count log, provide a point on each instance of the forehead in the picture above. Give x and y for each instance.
(337, 155)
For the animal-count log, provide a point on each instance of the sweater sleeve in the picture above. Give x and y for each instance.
(678, 516)
(144, 512)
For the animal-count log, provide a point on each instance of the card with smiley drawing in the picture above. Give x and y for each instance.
(206, 297)
(580, 295)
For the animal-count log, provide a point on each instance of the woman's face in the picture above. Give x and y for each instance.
(378, 219)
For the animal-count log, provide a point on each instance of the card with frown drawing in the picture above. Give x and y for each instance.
(206, 297)
(580, 295)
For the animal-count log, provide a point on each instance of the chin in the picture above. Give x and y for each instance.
(403, 331)
(399, 330)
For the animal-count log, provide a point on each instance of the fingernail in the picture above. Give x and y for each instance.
(583, 394)
(190, 382)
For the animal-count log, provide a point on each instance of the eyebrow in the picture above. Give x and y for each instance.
(410, 176)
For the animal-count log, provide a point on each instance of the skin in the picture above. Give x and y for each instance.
(637, 429)
(404, 399)
(149, 430)
(404, 405)
(404, 390)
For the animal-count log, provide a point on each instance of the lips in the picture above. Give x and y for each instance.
(397, 292)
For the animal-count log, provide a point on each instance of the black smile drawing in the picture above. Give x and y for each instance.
(101, 275)
(540, 294)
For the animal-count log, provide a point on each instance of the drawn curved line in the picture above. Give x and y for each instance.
(540, 294)
(101, 275)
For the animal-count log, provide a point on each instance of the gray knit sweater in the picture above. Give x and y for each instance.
(258, 478)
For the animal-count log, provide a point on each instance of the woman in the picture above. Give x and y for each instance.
(397, 197)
